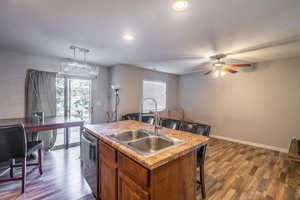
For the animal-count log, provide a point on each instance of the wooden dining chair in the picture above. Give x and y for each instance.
(200, 129)
(14, 147)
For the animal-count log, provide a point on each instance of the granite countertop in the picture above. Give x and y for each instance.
(192, 141)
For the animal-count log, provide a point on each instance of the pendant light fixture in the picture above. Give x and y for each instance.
(180, 5)
(78, 67)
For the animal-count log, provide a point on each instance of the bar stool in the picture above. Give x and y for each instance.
(200, 129)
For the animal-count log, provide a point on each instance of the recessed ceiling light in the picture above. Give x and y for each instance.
(180, 5)
(128, 37)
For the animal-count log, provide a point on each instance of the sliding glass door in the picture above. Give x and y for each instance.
(80, 105)
(80, 102)
(74, 99)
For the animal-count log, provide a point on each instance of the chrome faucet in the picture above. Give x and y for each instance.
(156, 118)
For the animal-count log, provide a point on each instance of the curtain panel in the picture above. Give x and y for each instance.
(40, 96)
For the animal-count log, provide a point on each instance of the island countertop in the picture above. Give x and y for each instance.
(192, 141)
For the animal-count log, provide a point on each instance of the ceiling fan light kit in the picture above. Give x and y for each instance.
(219, 73)
(219, 64)
(220, 68)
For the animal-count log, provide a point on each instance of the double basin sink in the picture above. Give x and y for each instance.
(145, 142)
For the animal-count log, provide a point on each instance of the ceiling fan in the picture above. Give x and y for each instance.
(221, 67)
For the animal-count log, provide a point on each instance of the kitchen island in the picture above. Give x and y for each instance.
(125, 174)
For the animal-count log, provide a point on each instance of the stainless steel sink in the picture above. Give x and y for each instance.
(130, 135)
(153, 144)
(145, 142)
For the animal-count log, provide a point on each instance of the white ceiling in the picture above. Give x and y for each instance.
(166, 40)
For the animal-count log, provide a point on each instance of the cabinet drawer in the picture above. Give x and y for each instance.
(107, 153)
(133, 170)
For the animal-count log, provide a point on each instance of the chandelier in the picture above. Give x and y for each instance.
(77, 67)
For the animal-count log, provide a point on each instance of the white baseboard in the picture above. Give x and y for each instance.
(251, 143)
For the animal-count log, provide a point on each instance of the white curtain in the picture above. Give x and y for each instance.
(40, 95)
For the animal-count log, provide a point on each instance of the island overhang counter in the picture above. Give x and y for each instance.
(125, 174)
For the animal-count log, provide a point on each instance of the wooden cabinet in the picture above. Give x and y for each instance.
(122, 178)
(129, 190)
(133, 170)
(108, 179)
(108, 172)
(175, 180)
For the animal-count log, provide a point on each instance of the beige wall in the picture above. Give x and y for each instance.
(262, 106)
(130, 78)
(13, 66)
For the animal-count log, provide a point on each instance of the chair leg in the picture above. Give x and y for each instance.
(202, 181)
(23, 175)
(11, 171)
(40, 161)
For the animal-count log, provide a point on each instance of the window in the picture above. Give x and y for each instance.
(157, 91)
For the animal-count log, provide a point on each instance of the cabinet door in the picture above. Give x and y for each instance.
(108, 179)
(128, 190)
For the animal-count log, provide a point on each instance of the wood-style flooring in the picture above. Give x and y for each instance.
(61, 179)
(233, 172)
(241, 172)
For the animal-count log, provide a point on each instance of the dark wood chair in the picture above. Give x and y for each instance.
(14, 147)
(131, 116)
(136, 116)
(148, 119)
(204, 130)
(170, 123)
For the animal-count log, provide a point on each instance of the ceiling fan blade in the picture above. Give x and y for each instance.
(239, 65)
(210, 71)
(228, 69)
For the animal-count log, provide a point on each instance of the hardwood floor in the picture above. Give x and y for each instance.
(236, 171)
(61, 179)
(233, 172)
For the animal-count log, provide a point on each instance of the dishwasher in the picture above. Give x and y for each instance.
(89, 161)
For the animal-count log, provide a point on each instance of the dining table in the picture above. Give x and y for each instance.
(47, 124)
